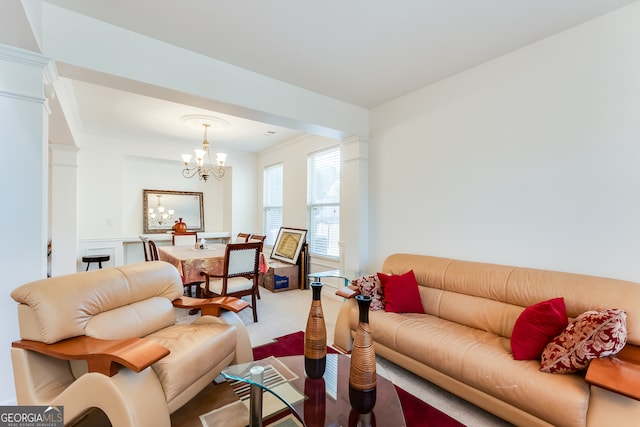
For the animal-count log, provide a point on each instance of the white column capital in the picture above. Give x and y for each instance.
(63, 155)
(355, 148)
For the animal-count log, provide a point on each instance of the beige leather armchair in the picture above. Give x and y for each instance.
(108, 339)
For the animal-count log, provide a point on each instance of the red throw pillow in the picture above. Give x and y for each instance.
(591, 335)
(401, 293)
(536, 326)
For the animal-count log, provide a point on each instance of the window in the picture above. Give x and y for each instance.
(323, 205)
(272, 203)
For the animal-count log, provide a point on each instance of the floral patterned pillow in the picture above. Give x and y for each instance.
(370, 286)
(591, 335)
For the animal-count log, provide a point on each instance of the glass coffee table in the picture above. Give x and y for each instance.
(345, 275)
(321, 402)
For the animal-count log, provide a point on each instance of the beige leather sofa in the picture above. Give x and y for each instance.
(462, 344)
(108, 339)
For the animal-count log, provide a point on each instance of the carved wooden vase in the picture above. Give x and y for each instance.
(315, 337)
(362, 373)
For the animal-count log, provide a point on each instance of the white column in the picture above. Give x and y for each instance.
(64, 209)
(354, 204)
(23, 171)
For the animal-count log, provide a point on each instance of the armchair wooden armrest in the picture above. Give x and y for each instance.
(102, 356)
(347, 292)
(619, 373)
(206, 274)
(211, 306)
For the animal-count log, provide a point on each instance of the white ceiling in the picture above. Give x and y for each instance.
(124, 114)
(364, 52)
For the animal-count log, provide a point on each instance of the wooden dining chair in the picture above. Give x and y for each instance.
(153, 251)
(145, 248)
(189, 238)
(261, 239)
(240, 275)
(257, 238)
(242, 237)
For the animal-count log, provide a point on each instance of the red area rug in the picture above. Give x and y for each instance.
(416, 412)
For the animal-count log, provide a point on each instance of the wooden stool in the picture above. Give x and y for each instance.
(95, 258)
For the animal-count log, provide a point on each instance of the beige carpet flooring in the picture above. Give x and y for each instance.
(286, 312)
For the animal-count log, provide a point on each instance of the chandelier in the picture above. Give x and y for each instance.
(203, 166)
(163, 217)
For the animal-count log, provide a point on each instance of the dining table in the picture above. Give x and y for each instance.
(190, 261)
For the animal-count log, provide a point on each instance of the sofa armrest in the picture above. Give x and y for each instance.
(211, 306)
(619, 373)
(102, 356)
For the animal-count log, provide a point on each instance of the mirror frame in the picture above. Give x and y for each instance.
(146, 194)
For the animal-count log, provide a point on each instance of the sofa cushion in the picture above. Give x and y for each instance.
(591, 335)
(133, 320)
(536, 327)
(481, 360)
(195, 349)
(370, 286)
(401, 293)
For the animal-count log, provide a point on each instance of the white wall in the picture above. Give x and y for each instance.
(23, 213)
(112, 174)
(246, 206)
(532, 159)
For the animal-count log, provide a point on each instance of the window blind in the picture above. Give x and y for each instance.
(323, 202)
(272, 202)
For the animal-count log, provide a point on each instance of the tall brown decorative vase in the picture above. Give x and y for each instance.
(315, 337)
(362, 373)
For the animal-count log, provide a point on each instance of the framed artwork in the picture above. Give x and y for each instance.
(288, 244)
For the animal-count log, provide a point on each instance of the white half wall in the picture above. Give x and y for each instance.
(532, 159)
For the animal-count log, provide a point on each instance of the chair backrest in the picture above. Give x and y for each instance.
(257, 238)
(183, 239)
(242, 237)
(242, 259)
(145, 248)
(132, 300)
(153, 251)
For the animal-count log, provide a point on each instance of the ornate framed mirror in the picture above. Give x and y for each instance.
(161, 209)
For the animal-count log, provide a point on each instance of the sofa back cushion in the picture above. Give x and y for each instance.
(491, 297)
(133, 320)
(62, 307)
